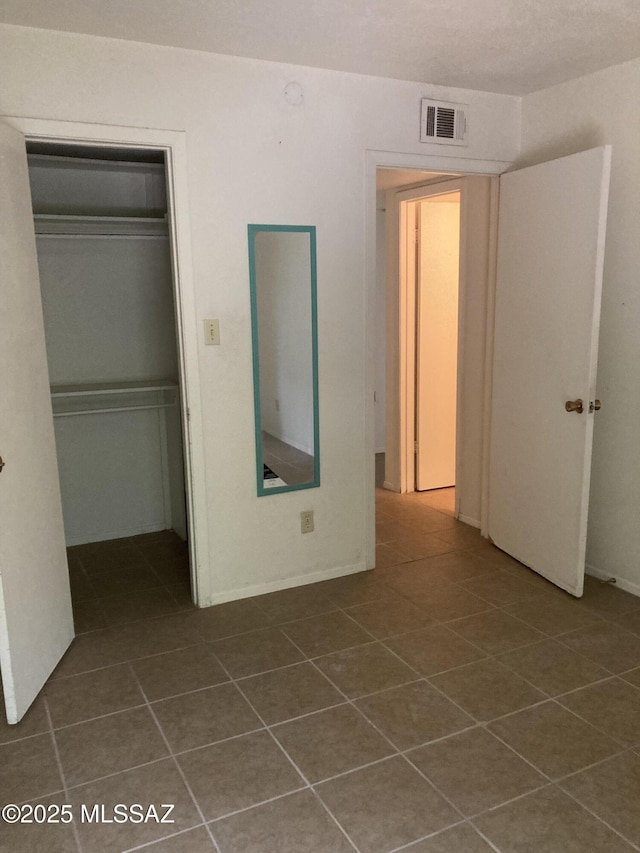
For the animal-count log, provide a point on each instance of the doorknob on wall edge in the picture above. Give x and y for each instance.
(574, 406)
(595, 406)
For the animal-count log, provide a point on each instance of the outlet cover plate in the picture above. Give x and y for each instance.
(306, 521)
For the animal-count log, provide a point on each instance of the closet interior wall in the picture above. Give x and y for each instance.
(108, 304)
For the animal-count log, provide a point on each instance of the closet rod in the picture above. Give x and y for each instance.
(114, 409)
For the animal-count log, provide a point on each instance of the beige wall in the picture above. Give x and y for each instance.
(591, 111)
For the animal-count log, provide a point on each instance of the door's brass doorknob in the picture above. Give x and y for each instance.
(574, 406)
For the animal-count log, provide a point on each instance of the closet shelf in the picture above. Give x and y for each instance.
(114, 387)
(66, 225)
(103, 397)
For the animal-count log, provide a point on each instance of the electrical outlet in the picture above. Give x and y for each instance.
(212, 333)
(306, 521)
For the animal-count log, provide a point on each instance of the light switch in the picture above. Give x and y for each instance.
(212, 333)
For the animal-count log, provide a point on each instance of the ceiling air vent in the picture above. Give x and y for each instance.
(442, 122)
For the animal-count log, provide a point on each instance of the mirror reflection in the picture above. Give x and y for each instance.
(282, 263)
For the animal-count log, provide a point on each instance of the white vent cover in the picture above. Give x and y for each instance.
(442, 122)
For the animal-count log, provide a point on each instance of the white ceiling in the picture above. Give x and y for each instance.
(509, 46)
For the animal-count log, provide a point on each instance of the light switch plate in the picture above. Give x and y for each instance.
(212, 333)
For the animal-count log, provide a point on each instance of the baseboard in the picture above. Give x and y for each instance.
(390, 487)
(468, 520)
(104, 535)
(621, 583)
(284, 583)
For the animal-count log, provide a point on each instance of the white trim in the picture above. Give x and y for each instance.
(473, 522)
(488, 361)
(379, 160)
(286, 583)
(621, 583)
(173, 143)
(434, 163)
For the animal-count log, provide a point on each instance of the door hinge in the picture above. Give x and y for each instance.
(415, 448)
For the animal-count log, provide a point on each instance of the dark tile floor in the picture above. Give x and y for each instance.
(450, 701)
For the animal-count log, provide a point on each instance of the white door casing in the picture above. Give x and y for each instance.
(173, 144)
(551, 235)
(477, 226)
(401, 349)
(28, 654)
(375, 159)
(36, 622)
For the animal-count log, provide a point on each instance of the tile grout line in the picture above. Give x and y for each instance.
(544, 636)
(72, 788)
(551, 780)
(485, 724)
(562, 637)
(420, 677)
(485, 838)
(63, 777)
(290, 759)
(99, 717)
(495, 657)
(553, 698)
(148, 844)
(438, 832)
(145, 562)
(342, 609)
(395, 751)
(61, 678)
(556, 782)
(427, 679)
(267, 801)
(383, 643)
(583, 719)
(176, 763)
(552, 784)
(600, 819)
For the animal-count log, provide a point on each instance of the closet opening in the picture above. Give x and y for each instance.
(102, 220)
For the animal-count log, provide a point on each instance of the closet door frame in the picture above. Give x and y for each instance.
(173, 144)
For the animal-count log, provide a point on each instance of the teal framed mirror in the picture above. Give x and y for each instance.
(282, 270)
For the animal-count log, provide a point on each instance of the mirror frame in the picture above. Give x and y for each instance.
(311, 231)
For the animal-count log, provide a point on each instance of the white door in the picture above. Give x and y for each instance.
(437, 340)
(36, 622)
(549, 279)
